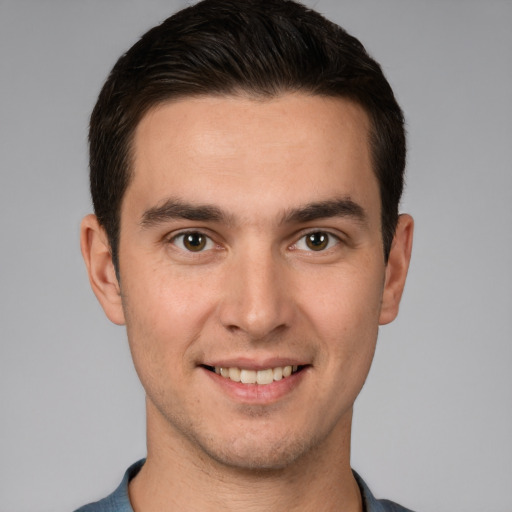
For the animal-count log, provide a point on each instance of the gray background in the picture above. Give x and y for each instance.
(433, 426)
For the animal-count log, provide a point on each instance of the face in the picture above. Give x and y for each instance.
(252, 274)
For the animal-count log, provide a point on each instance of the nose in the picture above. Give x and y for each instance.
(257, 299)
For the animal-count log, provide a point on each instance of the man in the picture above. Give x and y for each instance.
(247, 163)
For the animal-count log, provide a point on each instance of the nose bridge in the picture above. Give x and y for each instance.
(255, 299)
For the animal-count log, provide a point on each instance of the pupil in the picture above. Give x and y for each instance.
(317, 241)
(195, 241)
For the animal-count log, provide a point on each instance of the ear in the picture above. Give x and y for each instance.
(102, 276)
(396, 269)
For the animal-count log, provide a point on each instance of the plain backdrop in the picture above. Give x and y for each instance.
(433, 425)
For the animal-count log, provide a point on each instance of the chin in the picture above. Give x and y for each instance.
(256, 460)
(254, 440)
(257, 453)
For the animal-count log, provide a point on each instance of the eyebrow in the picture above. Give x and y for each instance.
(173, 209)
(343, 207)
(176, 209)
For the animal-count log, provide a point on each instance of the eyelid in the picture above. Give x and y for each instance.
(210, 244)
(175, 237)
(334, 240)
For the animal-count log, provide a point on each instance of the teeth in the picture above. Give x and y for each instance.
(234, 374)
(265, 376)
(248, 376)
(261, 377)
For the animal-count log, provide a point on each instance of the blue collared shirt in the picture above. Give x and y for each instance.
(119, 501)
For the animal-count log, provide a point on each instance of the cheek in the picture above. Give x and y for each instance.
(345, 318)
(164, 296)
(165, 312)
(344, 301)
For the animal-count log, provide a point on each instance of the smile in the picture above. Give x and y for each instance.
(261, 377)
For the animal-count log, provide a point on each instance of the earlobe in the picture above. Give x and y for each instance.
(396, 269)
(102, 276)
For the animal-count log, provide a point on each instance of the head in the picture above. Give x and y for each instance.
(261, 49)
(246, 169)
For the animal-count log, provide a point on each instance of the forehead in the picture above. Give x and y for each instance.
(221, 122)
(220, 149)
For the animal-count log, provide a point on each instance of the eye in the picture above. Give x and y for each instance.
(317, 241)
(193, 241)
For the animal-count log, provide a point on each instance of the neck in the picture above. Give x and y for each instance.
(177, 476)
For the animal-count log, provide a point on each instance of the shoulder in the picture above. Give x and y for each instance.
(119, 500)
(371, 504)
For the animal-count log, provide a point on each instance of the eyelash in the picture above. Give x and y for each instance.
(301, 244)
(208, 242)
(331, 241)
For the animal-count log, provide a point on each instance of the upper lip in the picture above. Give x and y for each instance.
(253, 364)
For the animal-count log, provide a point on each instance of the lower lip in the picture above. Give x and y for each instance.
(257, 393)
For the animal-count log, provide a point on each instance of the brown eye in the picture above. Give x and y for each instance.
(193, 241)
(317, 241)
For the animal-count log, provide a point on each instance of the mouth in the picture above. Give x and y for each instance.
(261, 377)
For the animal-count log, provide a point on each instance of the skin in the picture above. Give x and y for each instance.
(256, 296)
